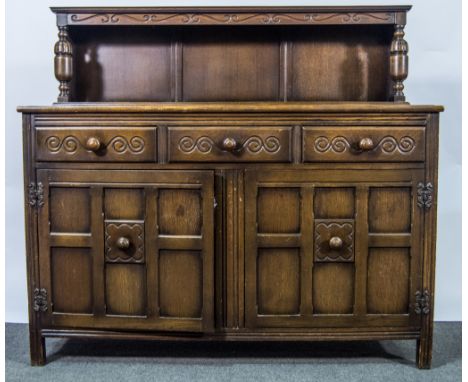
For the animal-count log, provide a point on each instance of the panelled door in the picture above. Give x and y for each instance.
(329, 248)
(127, 249)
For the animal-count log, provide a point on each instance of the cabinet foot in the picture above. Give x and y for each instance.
(424, 353)
(37, 348)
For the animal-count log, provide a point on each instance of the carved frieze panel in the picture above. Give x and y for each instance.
(253, 145)
(334, 240)
(226, 144)
(124, 242)
(103, 144)
(118, 144)
(360, 144)
(208, 18)
(387, 145)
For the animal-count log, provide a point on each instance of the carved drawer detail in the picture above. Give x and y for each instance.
(96, 145)
(253, 145)
(362, 144)
(387, 145)
(124, 242)
(334, 240)
(230, 144)
(117, 144)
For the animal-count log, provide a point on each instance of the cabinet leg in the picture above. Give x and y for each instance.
(424, 353)
(37, 348)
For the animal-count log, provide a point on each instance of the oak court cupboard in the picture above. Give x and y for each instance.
(250, 174)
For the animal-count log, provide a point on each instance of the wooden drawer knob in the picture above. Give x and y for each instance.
(93, 144)
(366, 144)
(335, 243)
(229, 144)
(123, 243)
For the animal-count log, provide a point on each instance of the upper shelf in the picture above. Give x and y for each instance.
(231, 15)
(231, 54)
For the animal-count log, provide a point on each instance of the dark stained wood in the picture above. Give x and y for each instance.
(340, 64)
(180, 284)
(71, 280)
(95, 145)
(231, 64)
(179, 212)
(116, 65)
(333, 288)
(230, 144)
(388, 280)
(125, 289)
(278, 281)
(337, 289)
(340, 108)
(334, 203)
(66, 210)
(363, 144)
(259, 215)
(132, 208)
(278, 210)
(390, 210)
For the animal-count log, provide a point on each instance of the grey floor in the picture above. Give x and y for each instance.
(78, 360)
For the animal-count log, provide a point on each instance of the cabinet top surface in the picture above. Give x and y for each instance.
(233, 107)
(344, 9)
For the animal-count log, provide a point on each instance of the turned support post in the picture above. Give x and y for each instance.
(63, 64)
(398, 62)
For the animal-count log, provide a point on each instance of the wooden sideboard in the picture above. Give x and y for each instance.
(231, 174)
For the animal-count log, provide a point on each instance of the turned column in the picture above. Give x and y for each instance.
(398, 62)
(63, 64)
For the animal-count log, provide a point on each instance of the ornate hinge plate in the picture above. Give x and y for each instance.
(36, 194)
(40, 300)
(425, 192)
(423, 302)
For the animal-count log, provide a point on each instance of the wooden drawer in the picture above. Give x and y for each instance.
(230, 144)
(362, 144)
(103, 144)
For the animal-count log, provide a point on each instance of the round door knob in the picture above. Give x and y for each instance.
(335, 243)
(93, 144)
(123, 243)
(366, 144)
(229, 144)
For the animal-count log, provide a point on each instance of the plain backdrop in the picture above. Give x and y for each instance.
(434, 36)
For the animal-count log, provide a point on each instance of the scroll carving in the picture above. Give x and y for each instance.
(131, 232)
(232, 18)
(387, 145)
(118, 144)
(253, 145)
(203, 145)
(326, 230)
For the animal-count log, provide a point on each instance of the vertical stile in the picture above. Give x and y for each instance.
(362, 250)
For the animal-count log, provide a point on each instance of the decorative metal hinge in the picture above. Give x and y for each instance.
(40, 300)
(36, 194)
(423, 302)
(425, 195)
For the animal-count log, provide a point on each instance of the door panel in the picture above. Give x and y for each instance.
(128, 249)
(332, 248)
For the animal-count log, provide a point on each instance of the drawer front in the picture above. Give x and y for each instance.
(229, 144)
(96, 144)
(362, 144)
